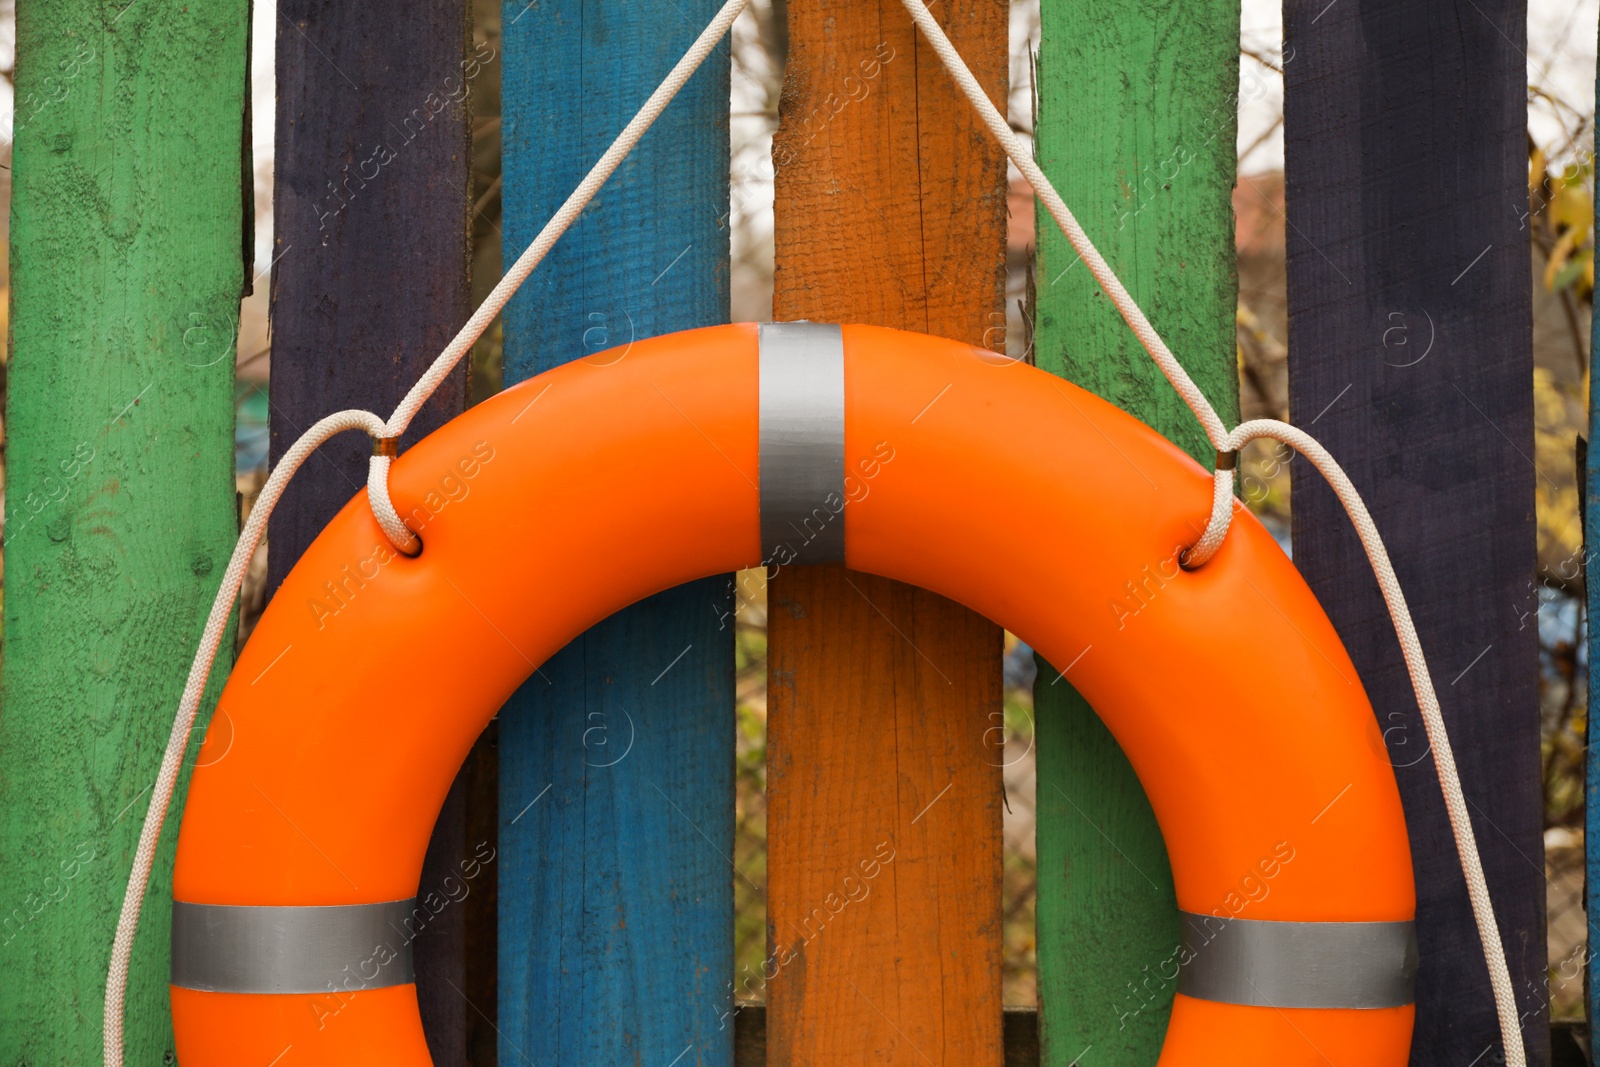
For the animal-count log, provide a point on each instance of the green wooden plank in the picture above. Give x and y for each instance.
(1136, 127)
(127, 251)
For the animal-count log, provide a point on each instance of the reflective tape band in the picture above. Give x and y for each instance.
(1298, 964)
(802, 443)
(230, 949)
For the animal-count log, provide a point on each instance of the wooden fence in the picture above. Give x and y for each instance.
(608, 937)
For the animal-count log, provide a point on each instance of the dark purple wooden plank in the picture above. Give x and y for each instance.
(1411, 359)
(370, 280)
(372, 216)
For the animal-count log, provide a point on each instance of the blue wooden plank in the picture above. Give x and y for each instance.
(616, 759)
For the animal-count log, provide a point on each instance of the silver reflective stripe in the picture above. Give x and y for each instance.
(229, 949)
(802, 442)
(1298, 964)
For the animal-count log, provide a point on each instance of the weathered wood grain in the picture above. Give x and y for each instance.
(371, 214)
(1136, 127)
(883, 896)
(1569, 1039)
(370, 280)
(1411, 359)
(890, 210)
(126, 256)
(616, 789)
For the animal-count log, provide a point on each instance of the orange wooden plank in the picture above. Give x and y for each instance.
(883, 898)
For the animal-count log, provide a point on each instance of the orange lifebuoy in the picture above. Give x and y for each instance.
(603, 481)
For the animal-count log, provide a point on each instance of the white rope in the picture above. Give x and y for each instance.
(389, 520)
(564, 217)
(1455, 802)
(406, 541)
(1222, 509)
(189, 705)
(378, 496)
(1127, 307)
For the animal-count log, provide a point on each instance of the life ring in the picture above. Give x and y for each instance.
(601, 482)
